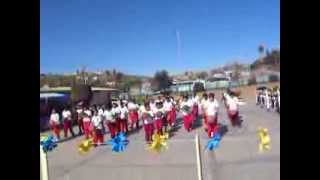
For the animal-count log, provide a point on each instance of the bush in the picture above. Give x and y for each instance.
(81, 92)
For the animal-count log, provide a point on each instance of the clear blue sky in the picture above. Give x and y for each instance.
(142, 36)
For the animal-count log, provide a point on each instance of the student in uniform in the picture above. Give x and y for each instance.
(204, 106)
(267, 99)
(123, 118)
(158, 117)
(79, 120)
(116, 111)
(67, 122)
(133, 114)
(195, 107)
(212, 115)
(55, 123)
(148, 124)
(86, 125)
(100, 113)
(110, 120)
(185, 107)
(97, 127)
(169, 111)
(232, 109)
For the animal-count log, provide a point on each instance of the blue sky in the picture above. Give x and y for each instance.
(142, 36)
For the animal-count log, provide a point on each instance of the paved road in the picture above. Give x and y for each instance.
(236, 158)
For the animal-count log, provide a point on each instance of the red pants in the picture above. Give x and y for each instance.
(98, 136)
(158, 124)
(67, 126)
(205, 117)
(187, 122)
(80, 125)
(112, 126)
(123, 125)
(55, 129)
(87, 129)
(148, 129)
(195, 111)
(134, 119)
(171, 117)
(233, 116)
(212, 126)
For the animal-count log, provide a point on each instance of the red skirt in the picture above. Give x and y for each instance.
(133, 116)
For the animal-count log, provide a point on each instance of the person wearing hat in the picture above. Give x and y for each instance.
(55, 123)
(212, 115)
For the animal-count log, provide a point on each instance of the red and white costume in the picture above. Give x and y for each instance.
(170, 112)
(158, 119)
(87, 126)
(110, 122)
(187, 115)
(148, 120)
(79, 120)
(212, 117)
(204, 107)
(133, 114)
(123, 119)
(55, 124)
(67, 122)
(98, 134)
(232, 109)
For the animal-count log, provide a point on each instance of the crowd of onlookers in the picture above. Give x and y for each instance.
(157, 115)
(268, 98)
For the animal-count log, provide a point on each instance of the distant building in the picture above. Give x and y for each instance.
(146, 87)
(217, 82)
(184, 86)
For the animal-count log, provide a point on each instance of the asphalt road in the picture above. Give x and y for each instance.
(236, 158)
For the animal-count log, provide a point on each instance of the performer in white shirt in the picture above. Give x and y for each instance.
(195, 108)
(97, 125)
(185, 107)
(232, 109)
(148, 120)
(212, 115)
(170, 113)
(267, 99)
(88, 112)
(123, 118)
(158, 117)
(67, 122)
(110, 120)
(55, 123)
(133, 114)
(204, 106)
(87, 125)
(116, 111)
(79, 120)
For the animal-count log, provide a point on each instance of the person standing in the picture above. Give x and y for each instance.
(212, 115)
(110, 120)
(86, 125)
(97, 126)
(204, 106)
(116, 111)
(79, 120)
(55, 123)
(123, 118)
(169, 111)
(147, 118)
(267, 99)
(158, 117)
(232, 109)
(133, 114)
(67, 122)
(186, 106)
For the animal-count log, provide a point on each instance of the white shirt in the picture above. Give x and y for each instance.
(132, 106)
(123, 112)
(167, 106)
(233, 104)
(147, 119)
(66, 114)
(116, 112)
(86, 119)
(213, 108)
(152, 106)
(79, 111)
(158, 111)
(109, 116)
(186, 103)
(88, 112)
(204, 103)
(100, 112)
(55, 118)
(96, 120)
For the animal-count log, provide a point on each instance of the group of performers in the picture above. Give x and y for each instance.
(269, 98)
(156, 115)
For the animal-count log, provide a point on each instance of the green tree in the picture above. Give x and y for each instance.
(161, 81)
